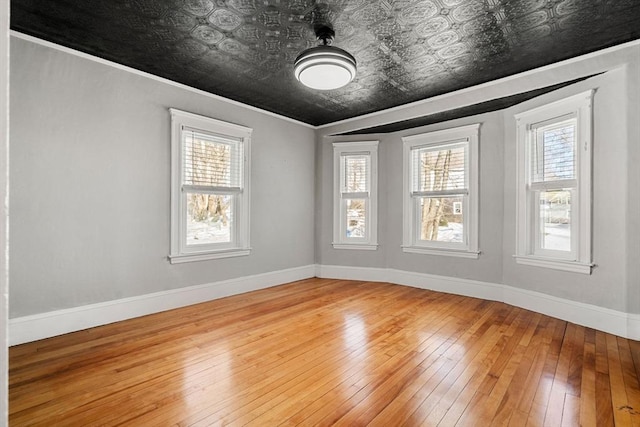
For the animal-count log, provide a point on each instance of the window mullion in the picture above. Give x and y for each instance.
(205, 189)
(358, 195)
(554, 185)
(444, 193)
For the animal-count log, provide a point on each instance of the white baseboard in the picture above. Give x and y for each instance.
(603, 319)
(633, 326)
(452, 285)
(45, 325)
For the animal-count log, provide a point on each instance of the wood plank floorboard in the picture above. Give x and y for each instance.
(322, 352)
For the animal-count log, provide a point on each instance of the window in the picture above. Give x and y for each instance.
(356, 194)
(554, 185)
(210, 188)
(441, 192)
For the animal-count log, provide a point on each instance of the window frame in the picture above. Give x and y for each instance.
(340, 240)
(467, 136)
(180, 251)
(528, 123)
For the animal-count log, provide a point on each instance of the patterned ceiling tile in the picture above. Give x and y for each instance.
(406, 50)
(197, 7)
(443, 39)
(452, 51)
(178, 19)
(369, 14)
(531, 20)
(235, 48)
(468, 10)
(516, 8)
(271, 18)
(249, 33)
(244, 7)
(432, 26)
(568, 7)
(418, 12)
(208, 34)
(225, 20)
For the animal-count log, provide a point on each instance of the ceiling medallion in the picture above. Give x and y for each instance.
(325, 67)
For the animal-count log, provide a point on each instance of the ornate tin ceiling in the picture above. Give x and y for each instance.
(406, 50)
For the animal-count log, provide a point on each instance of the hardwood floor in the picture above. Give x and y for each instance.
(330, 352)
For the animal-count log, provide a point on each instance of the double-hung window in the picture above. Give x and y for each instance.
(554, 185)
(441, 192)
(210, 188)
(355, 195)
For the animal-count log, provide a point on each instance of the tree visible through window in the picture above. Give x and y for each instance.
(210, 197)
(438, 171)
(440, 196)
(208, 163)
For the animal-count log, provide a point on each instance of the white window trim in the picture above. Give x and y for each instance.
(179, 253)
(339, 226)
(580, 106)
(469, 134)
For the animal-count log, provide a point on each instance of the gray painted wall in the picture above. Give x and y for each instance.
(633, 193)
(90, 184)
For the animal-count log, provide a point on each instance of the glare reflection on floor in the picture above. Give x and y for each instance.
(354, 332)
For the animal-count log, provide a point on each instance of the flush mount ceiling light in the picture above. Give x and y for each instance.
(325, 67)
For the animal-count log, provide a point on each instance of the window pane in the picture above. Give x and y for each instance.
(553, 156)
(210, 161)
(209, 218)
(555, 220)
(356, 218)
(438, 170)
(355, 179)
(441, 219)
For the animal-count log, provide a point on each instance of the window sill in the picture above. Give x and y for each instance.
(356, 246)
(182, 258)
(460, 253)
(571, 266)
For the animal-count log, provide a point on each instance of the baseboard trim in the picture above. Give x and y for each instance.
(45, 325)
(39, 326)
(603, 319)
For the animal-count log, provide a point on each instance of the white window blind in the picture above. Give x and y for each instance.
(553, 156)
(439, 171)
(211, 162)
(355, 178)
